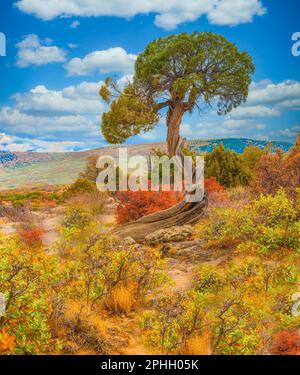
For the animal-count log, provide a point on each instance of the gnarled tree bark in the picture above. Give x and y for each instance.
(186, 212)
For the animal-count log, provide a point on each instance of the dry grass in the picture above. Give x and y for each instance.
(80, 330)
(197, 345)
(121, 300)
(16, 213)
(91, 201)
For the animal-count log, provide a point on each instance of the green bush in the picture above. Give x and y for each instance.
(266, 224)
(226, 167)
(81, 185)
(77, 218)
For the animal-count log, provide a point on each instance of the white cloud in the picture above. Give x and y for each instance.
(233, 12)
(207, 129)
(124, 81)
(111, 60)
(231, 124)
(70, 114)
(4, 138)
(72, 127)
(267, 92)
(290, 133)
(69, 118)
(169, 14)
(293, 104)
(75, 100)
(227, 128)
(74, 24)
(257, 111)
(32, 52)
(16, 144)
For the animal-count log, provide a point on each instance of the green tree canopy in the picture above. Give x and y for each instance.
(174, 75)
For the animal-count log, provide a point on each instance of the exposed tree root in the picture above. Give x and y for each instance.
(181, 214)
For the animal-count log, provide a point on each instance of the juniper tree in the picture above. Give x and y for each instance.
(173, 76)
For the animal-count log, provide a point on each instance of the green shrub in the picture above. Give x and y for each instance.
(76, 218)
(81, 185)
(27, 278)
(267, 224)
(226, 167)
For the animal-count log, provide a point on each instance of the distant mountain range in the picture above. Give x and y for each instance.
(237, 144)
(32, 169)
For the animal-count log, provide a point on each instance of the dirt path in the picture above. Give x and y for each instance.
(125, 331)
(181, 274)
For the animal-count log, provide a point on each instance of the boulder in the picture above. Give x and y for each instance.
(173, 234)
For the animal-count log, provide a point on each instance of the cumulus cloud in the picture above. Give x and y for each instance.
(233, 12)
(55, 127)
(111, 60)
(257, 111)
(72, 114)
(168, 14)
(76, 100)
(32, 52)
(285, 93)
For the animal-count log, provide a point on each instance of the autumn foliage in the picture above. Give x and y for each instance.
(286, 343)
(133, 205)
(212, 186)
(279, 169)
(6, 341)
(31, 236)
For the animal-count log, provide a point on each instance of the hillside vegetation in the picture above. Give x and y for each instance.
(226, 286)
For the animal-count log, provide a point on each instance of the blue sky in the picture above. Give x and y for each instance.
(59, 52)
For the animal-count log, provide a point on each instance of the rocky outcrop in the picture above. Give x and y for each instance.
(182, 214)
(173, 234)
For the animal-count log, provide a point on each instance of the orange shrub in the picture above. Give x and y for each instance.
(135, 204)
(279, 169)
(286, 343)
(6, 341)
(212, 186)
(31, 236)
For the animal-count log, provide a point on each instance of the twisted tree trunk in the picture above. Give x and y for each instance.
(187, 211)
(174, 141)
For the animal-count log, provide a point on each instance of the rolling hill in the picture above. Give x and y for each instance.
(30, 169)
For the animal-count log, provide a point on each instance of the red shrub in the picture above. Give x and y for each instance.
(31, 236)
(133, 205)
(212, 186)
(286, 343)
